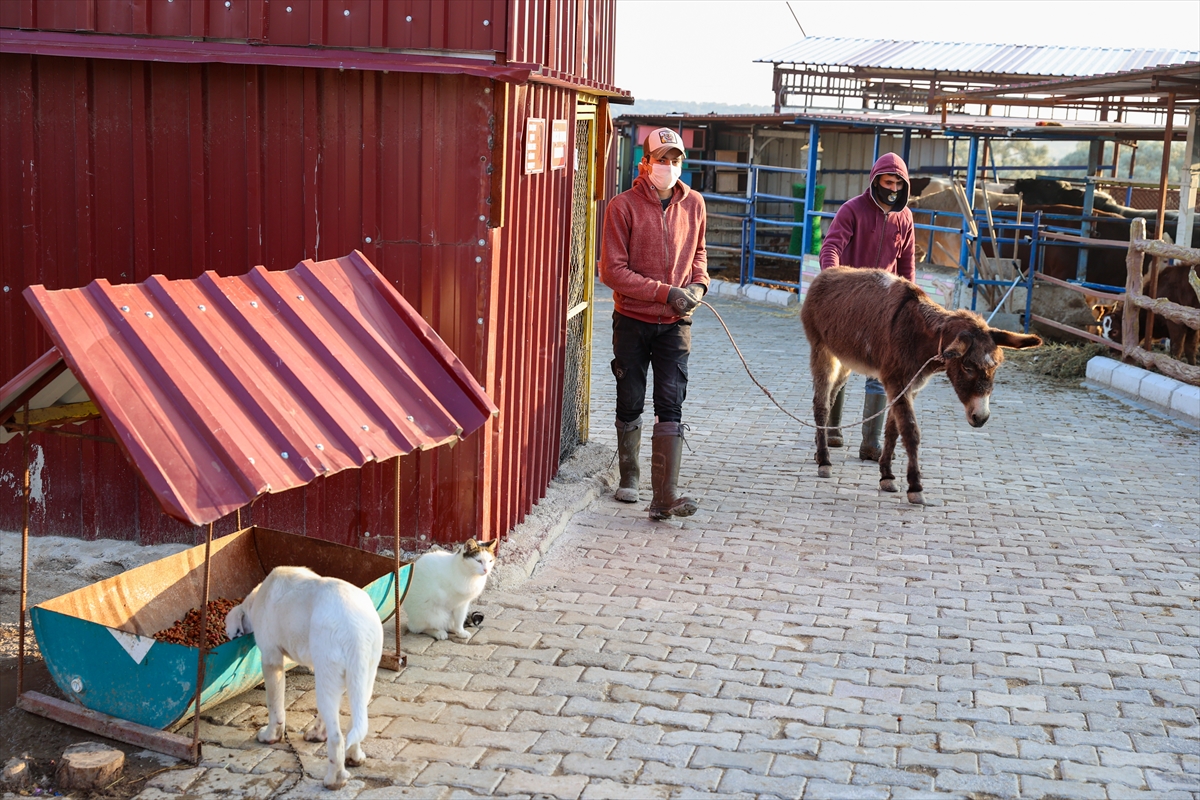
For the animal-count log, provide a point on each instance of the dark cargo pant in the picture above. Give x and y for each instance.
(636, 346)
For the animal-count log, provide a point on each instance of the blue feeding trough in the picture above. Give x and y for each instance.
(98, 641)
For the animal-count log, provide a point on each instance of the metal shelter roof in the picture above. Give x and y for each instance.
(220, 390)
(1182, 80)
(973, 58)
(954, 125)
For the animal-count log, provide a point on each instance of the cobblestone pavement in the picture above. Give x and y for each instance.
(1032, 633)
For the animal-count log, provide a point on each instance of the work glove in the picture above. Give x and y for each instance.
(686, 299)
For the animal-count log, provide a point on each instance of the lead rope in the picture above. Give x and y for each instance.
(936, 357)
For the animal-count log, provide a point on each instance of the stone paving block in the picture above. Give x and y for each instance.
(736, 782)
(835, 772)
(1090, 773)
(673, 756)
(561, 787)
(622, 770)
(479, 780)
(1036, 788)
(612, 790)
(705, 756)
(525, 762)
(431, 751)
(826, 790)
(564, 742)
(655, 772)
(652, 715)
(993, 785)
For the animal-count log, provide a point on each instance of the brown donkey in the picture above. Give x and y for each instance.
(883, 326)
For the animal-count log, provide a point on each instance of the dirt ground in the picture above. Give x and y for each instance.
(56, 566)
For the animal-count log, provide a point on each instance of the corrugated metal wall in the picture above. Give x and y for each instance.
(478, 25)
(575, 36)
(532, 259)
(124, 169)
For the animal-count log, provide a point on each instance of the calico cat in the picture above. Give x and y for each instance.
(444, 584)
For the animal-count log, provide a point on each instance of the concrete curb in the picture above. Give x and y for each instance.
(754, 293)
(588, 473)
(1147, 389)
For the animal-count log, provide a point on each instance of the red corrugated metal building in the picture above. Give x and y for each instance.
(170, 137)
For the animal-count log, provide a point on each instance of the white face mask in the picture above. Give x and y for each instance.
(664, 176)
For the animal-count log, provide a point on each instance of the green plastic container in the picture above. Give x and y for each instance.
(797, 243)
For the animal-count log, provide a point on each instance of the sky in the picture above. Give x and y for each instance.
(703, 50)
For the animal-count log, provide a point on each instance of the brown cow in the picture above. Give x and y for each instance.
(883, 326)
(1105, 265)
(1173, 285)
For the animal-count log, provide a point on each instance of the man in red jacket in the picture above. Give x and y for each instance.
(873, 230)
(653, 258)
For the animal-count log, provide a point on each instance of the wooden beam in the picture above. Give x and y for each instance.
(122, 730)
(59, 415)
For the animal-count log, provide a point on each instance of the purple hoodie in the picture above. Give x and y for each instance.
(862, 235)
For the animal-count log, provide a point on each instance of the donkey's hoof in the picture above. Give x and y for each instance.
(916, 498)
(887, 485)
(825, 471)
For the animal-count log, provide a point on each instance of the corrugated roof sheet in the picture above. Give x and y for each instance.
(223, 389)
(1004, 59)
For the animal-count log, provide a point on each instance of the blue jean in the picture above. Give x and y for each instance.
(875, 387)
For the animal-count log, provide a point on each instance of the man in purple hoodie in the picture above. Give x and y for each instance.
(873, 230)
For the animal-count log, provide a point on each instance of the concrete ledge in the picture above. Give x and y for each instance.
(1145, 389)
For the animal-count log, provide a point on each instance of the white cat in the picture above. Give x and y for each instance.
(444, 584)
(330, 626)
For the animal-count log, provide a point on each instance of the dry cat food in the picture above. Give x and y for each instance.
(187, 630)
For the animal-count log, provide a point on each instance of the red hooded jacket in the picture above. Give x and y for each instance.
(646, 250)
(863, 235)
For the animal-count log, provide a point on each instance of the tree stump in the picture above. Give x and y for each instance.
(16, 773)
(89, 765)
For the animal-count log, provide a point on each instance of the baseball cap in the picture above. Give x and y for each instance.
(660, 140)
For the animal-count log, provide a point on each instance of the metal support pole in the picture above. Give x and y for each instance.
(24, 559)
(875, 153)
(1168, 134)
(1031, 267)
(972, 168)
(203, 646)
(1095, 156)
(906, 150)
(810, 190)
(1188, 178)
(752, 210)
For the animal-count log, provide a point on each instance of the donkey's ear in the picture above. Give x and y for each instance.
(958, 347)
(1015, 341)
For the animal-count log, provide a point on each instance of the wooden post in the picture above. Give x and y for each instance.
(1133, 285)
(1162, 213)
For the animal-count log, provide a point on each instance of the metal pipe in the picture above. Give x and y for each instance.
(396, 555)
(875, 152)
(203, 651)
(810, 191)
(24, 560)
(906, 150)
(1168, 134)
(1031, 267)
(972, 168)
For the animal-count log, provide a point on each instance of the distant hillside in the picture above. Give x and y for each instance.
(688, 107)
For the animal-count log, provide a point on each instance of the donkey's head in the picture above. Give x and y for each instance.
(972, 357)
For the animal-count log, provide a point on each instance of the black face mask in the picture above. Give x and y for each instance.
(886, 197)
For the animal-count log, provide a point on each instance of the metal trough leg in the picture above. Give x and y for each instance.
(172, 744)
(396, 661)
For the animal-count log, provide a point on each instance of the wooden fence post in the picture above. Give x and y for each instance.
(1133, 286)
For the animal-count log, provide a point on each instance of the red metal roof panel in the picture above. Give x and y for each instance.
(223, 389)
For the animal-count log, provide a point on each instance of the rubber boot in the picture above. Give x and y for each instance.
(870, 449)
(664, 473)
(833, 437)
(629, 446)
